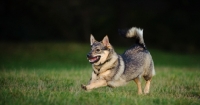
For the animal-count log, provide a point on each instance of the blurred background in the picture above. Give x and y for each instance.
(168, 24)
(54, 34)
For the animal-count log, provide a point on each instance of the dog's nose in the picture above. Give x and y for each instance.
(88, 55)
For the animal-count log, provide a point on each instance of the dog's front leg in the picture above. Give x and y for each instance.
(95, 84)
(93, 78)
(117, 83)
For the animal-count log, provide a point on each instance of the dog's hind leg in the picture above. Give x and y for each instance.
(137, 81)
(148, 79)
(147, 85)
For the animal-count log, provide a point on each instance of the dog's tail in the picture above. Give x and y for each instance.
(134, 33)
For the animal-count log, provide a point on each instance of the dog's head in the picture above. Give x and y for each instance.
(99, 50)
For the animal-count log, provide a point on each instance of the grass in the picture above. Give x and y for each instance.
(51, 73)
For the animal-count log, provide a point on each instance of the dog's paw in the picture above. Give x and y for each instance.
(83, 87)
(111, 84)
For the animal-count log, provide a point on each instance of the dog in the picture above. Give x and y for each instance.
(113, 70)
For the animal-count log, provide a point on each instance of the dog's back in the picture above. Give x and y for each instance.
(138, 62)
(137, 59)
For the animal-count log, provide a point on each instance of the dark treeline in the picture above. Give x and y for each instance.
(168, 24)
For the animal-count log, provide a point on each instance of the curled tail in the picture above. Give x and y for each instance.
(134, 33)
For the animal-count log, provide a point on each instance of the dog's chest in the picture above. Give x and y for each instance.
(107, 70)
(105, 75)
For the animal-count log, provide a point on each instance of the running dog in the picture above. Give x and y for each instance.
(113, 70)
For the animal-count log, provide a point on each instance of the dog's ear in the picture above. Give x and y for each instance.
(92, 39)
(106, 42)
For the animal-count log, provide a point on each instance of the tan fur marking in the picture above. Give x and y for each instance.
(107, 65)
(104, 74)
(147, 87)
(104, 56)
(120, 70)
(117, 83)
(94, 78)
(137, 81)
(96, 84)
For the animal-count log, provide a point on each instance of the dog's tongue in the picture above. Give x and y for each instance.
(92, 59)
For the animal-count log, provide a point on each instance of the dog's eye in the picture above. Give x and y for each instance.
(97, 50)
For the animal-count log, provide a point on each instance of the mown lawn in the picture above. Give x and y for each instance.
(51, 73)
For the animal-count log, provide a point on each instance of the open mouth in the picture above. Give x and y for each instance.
(94, 59)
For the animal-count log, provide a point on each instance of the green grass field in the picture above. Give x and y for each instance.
(51, 73)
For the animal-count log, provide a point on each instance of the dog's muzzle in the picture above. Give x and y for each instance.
(93, 59)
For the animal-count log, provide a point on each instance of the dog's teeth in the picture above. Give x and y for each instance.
(93, 59)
